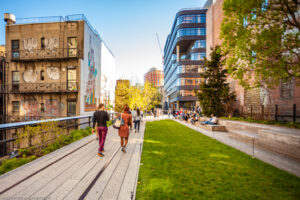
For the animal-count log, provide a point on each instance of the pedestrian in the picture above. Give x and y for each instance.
(101, 117)
(137, 120)
(124, 130)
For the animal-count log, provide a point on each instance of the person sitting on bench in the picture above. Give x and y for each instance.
(213, 120)
(194, 118)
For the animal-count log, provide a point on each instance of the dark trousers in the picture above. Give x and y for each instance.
(102, 131)
(137, 124)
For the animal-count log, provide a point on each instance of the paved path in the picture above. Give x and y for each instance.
(275, 159)
(76, 172)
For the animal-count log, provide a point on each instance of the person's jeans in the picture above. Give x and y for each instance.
(209, 122)
(137, 124)
(102, 131)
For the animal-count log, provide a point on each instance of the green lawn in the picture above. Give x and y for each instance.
(180, 163)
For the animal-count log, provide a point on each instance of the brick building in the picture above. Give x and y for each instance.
(54, 67)
(155, 76)
(283, 99)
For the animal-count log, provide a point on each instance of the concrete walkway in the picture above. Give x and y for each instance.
(275, 159)
(76, 172)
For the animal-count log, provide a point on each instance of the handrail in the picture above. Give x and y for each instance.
(28, 123)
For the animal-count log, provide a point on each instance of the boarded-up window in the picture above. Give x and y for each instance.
(287, 89)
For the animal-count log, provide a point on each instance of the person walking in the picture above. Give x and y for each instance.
(137, 120)
(101, 117)
(124, 130)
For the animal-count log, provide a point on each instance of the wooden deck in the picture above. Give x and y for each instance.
(76, 172)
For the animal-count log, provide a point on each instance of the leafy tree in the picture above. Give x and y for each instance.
(261, 40)
(122, 95)
(214, 94)
(151, 96)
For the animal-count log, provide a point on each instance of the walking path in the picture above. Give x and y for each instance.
(76, 172)
(275, 159)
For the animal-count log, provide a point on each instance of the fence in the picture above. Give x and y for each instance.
(68, 123)
(275, 112)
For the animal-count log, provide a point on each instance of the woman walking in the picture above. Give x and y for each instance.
(137, 120)
(124, 130)
(101, 117)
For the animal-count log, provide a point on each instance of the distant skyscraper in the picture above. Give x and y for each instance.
(155, 76)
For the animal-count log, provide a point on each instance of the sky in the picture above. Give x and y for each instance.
(128, 27)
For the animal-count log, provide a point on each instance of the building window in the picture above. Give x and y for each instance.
(199, 44)
(287, 89)
(72, 86)
(191, 32)
(43, 43)
(15, 46)
(42, 75)
(71, 108)
(15, 80)
(15, 107)
(186, 19)
(72, 46)
(42, 107)
(198, 56)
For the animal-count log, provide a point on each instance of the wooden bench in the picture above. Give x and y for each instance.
(211, 127)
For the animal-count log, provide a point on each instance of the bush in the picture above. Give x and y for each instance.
(10, 164)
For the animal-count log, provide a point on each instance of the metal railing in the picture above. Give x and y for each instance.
(23, 88)
(39, 20)
(41, 54)
(64, 122)
(67, 123)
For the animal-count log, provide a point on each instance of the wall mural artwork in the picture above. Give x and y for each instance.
(30, 76)
(90, 99)
(30, 44)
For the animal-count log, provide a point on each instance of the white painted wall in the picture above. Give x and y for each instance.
(108, 73)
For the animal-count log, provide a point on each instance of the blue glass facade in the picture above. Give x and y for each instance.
(184, 54)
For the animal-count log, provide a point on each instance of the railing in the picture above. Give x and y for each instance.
(69, 87)
(39, 20)
(276, 113)
(66, 122)
(41, 54)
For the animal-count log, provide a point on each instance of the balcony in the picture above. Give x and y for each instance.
(42, 88)
(44, 54)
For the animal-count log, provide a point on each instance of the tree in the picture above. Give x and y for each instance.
(261, 40)
(122, 95)
(214, 94)
(151, 96)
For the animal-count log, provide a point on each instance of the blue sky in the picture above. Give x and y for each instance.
(128, 27)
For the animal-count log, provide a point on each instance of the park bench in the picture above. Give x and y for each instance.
(211, 127)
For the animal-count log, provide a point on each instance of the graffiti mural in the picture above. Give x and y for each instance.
(53, 108)
(90, 99)
(51, 43)
(30, 44)
(30, 109)
(30, 76)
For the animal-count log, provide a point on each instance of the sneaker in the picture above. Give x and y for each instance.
(100, 154)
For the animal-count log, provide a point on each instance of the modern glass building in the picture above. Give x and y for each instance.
(184, 54)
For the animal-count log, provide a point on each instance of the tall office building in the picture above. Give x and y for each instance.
(184, 54)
